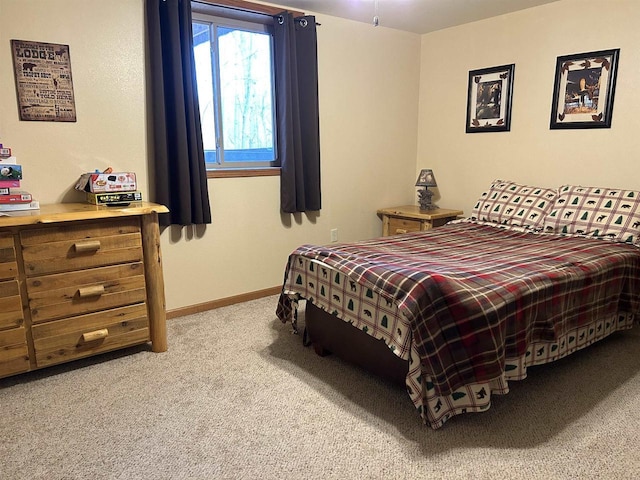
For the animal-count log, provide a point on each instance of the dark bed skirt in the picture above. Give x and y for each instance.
(330, 334)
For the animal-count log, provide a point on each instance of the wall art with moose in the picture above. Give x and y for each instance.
(584, 89)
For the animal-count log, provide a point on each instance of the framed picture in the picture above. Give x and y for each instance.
(489, 99)
(43, 81)
(583, 91)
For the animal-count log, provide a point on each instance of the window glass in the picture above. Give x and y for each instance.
(204, 75)
(234, 71)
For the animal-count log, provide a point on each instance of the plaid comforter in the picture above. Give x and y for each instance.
(476, 294)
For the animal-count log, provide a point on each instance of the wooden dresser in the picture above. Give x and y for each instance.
(77, 280)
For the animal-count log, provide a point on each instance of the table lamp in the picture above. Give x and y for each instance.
(426, 179)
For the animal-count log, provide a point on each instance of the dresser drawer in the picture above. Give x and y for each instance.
(11, 314)
(75, 247)
(75, 293)
(403, 225)
(75, 337)
(8, 263)
(14, 354)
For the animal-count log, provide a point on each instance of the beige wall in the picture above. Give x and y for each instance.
(464, 164)
(391, 103)
(107, 61)
(369, 80)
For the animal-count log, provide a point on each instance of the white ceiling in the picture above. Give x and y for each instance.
(418, 16)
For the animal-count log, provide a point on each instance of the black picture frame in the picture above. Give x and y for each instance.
(489, 98)
(581, 82)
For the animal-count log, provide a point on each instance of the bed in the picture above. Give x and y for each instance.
(533, 275)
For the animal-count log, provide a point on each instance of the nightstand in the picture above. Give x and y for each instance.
(409, 218)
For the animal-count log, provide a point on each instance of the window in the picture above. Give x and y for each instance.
(234, 72)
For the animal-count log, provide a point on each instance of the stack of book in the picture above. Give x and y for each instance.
(11, 197)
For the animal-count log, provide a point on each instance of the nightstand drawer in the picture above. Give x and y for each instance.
(403, 225)
(409, 218)
(84, 335)
(60, 249)
(84, 291)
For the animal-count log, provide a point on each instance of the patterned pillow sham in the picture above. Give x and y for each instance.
(606, 213)
(510, 203)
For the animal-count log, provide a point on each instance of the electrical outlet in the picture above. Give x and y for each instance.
(334, 235)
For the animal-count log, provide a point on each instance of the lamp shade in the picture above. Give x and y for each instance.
(426, 178)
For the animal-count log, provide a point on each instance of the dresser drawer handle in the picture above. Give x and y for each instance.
(87, 246)
(92, 291)
(95, 335)
(401, 230)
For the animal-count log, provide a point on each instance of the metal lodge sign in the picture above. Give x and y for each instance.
(43, 81)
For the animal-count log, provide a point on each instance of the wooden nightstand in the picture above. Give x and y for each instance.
(409, 218)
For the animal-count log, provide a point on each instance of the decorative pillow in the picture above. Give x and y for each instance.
(598, 212)
(509, 203)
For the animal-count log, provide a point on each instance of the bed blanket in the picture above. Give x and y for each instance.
(475, 295)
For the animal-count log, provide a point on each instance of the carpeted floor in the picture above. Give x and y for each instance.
(237, 396)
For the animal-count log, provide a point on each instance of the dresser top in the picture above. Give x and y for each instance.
(67, 212)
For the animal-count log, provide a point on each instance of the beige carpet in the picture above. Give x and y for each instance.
(237, 396)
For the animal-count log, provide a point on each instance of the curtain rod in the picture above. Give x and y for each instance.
(249, 7)
(243, 7)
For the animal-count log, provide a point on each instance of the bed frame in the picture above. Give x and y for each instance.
(329, 334)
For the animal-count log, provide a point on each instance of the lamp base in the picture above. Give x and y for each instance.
(424, 199)
(431, 206)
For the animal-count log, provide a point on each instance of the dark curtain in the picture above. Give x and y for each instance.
(180, 180)
(296, 72)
